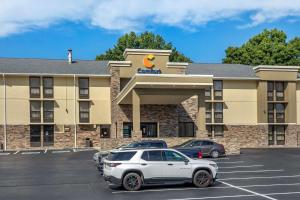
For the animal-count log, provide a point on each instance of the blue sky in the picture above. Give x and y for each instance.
(202, 33)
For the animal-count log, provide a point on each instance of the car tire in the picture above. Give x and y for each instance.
(214, 154)
(132, 181)
(202, 178)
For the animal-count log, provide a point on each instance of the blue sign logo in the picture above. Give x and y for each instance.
(148, 71)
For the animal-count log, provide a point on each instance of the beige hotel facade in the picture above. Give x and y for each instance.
(75, 103)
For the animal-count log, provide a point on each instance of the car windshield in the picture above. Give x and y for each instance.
(131, 145)
(187, 143)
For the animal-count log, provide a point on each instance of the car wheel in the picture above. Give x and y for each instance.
(214, 154)
(132, 182)
(202, 179)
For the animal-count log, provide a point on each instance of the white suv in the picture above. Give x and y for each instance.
(134, 168)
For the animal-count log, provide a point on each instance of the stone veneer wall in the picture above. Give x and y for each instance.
(18, 136)
(65, 139)
(88, 131)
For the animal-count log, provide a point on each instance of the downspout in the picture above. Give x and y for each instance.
(4, 111)
(75, 130)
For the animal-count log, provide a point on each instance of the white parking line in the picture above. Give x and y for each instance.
(216, 159)
(259, 177)
(78, 150)
(270, 185)
(241, 166)
(249, 191)
(16, 152)
(4, 154)
(256, 171)
(74, 150)
(63, 151)
(45, 151)
(231, 162)
(29, 153)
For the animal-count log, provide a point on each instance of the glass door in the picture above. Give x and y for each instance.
(149, 129)
(35, 135)
(48, 135)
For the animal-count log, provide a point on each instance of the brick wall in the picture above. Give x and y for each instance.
(65, 139)
(1, 137)
(18, 136)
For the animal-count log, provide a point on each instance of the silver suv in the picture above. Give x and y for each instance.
(134, 168)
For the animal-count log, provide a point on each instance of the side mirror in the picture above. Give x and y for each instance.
(186, 161)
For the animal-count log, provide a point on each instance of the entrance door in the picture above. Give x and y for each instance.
(35, 136)
(149, 129)
(48, 135)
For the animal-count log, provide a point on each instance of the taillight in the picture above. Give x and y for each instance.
(113, 164)
(199, 155)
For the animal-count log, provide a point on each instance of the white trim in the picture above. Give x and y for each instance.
(51, 74)
(236, 78)
(173, 83)
(275, 67)
(146, 51)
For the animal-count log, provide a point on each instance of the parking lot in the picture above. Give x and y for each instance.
(71, 174)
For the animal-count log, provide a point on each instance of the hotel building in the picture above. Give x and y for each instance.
(75, 103)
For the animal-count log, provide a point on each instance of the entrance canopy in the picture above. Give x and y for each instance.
(163, 88)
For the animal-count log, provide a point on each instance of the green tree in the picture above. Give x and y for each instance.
(267, 48)
(146, 40)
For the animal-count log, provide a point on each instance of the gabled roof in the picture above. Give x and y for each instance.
(222, 70)
(49, 66)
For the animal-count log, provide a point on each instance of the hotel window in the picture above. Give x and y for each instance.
(271, 113)
(35, 111)
(218, 113)
(35, 135)
(215, 131)
(279, 86)
(207, 93)
(280, 112)
(104, 131)
(48, 107)
(48, 87)
(34, 83)
(149, 129)
(127, 129)
(84, 112)
(208, 112)
(83, 88)
(209, 131)
(218, 90)
(186, 129)
(270, 91)
(276, 135)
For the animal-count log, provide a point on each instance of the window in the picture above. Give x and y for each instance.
(35, 111)
(83, 88)
(35, 135)
(276, 135)
(279, 91)
(173, 156)
(186, 129)
(207, 94)
(207, 143)
(209, 130)
(48, 136)
(280, 113)
(48, 87)
(155, 156)
(84, 112)
(127, 129)
(218, 131)
(271, 113)
(218, 113)
(149, 129)
(120, 156)
(270, 91)
(218, 90)
(104, 131)
(34, 84)
(48, 111)
(208, 112)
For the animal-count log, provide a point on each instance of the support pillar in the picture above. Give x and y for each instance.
(136, 115)
(201, 132)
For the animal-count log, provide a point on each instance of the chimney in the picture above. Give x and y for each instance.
(70, 56)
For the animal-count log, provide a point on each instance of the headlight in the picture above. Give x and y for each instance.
(213, 165)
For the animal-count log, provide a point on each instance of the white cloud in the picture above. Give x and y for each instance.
(124, 15)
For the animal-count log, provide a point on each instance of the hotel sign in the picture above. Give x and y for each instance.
(147, 61)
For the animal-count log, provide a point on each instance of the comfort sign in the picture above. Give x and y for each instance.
(147, 61)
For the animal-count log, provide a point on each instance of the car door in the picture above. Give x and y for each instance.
(176, 167)
(153, 166)
(206, 147)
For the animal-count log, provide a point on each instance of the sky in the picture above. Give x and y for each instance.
(200, 29)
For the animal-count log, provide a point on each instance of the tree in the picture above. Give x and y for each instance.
(146, 40)
(267, 48)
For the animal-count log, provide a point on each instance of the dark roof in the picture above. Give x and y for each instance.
(49, 66)
(222, 70)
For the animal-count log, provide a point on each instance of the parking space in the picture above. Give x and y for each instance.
(58, 174)
(44, 151)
